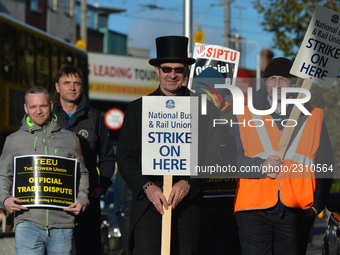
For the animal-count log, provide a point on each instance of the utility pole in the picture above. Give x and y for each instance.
(187, 28)
(83, 19)
(226, 5)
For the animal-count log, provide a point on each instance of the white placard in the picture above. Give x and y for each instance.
(318, 59)
(169, 135)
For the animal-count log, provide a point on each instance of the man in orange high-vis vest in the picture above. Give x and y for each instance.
(275, 215)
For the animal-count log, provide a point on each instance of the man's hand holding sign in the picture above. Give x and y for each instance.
(156, 197)
(12, 204)
(178, 191)
(75, 208)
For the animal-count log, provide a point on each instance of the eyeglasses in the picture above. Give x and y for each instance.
(282, 81)
(167, 69)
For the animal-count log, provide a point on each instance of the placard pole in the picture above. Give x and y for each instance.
(290, 126)
(166, 219)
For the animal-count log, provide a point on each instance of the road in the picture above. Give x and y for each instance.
(314, 248)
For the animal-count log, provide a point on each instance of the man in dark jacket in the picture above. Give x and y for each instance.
(73, 114)
(148, 200)
(219, 227)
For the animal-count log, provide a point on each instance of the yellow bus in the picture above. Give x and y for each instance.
(29, 57)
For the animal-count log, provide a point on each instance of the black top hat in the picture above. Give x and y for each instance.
(172, 49)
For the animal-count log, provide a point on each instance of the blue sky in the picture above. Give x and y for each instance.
(143, 25)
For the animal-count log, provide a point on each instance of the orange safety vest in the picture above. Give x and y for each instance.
(295, 184)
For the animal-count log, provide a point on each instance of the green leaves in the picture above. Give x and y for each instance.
(289, 20)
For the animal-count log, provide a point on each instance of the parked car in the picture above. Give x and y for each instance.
(331, 239)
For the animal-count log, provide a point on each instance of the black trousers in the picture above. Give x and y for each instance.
(219, 235)
(264, 233)
(87, 231)
(184, 231)
(123, 231)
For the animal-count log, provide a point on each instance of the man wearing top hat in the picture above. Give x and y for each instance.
(185, 198)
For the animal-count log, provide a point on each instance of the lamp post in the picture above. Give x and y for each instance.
(187, 25)
(258, 60)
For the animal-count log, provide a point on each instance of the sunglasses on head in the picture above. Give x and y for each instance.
(167, 69)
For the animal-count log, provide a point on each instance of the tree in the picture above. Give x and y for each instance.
(289, 20)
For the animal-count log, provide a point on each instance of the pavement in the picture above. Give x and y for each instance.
(117, 252)
(314, 248)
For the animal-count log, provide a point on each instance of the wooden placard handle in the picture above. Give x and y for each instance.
(289, 129)
(166, 219)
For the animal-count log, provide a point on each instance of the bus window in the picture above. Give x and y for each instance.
(80, 62)
(26, 60)
(54, 65)
(43, 64)
(16, 107)
(8, 35)
(66, 58)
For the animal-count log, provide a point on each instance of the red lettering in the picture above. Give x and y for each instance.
(209, 52)
(106, 72)
(129, 74)
(120, 72)
(226, 54)
(95, 70)
(201, 49)
(219, 53)
(112, 71)
(231, 56)
(100, 70)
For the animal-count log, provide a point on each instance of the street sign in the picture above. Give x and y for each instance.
(114, 118)
(198, 36)
(81, 44)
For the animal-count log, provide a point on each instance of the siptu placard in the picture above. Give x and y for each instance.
(224, 60)
(45, 181)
